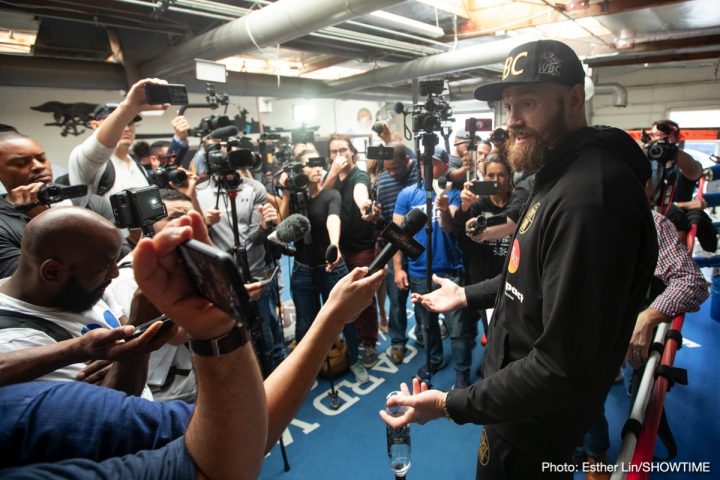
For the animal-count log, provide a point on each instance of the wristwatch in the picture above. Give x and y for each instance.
(234, 339)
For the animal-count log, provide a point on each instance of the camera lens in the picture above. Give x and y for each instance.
(178, 177)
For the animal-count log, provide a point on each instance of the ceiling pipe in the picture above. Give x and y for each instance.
(619, 93)
(279, 22)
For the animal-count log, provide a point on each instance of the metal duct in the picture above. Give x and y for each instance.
(24, 71)
(618, 92)
(455, 61)
(279, 22)
(61, 73)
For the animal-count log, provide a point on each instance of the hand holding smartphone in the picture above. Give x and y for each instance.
(174, 94)
(484, 188)
(217, 278)
(167, 324)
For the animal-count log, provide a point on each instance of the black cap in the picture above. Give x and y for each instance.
(104, 109)
(536, 62)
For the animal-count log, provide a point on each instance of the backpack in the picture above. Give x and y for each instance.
(11, 319)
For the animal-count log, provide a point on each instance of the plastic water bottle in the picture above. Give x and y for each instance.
(398, 442)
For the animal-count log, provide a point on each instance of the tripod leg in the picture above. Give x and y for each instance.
(334, 399)
(286, 464)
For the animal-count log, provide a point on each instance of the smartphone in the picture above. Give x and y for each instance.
(174, 94)
(140, 329)
(217, 278)
(269, 278)
(484, 188)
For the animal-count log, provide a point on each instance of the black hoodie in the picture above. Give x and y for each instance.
(580, 264)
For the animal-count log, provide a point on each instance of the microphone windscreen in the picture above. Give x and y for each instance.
(442, 183)
(414, 221)
(378, 127)
(399, 108)
(293, 228)
(331, 254)
(224, 132)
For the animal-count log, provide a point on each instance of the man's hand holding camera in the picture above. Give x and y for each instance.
(370, 211)
(25, 197)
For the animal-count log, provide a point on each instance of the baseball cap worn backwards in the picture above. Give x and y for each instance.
(440, 154)
(104, 109)
(536, 62)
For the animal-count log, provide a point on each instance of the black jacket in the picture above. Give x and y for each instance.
(580, 264)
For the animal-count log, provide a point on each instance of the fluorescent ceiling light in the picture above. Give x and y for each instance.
(407, 24)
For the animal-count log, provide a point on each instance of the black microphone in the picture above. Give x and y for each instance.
(399, 108)
(223, 132)
(331, 254)
(292, 229)
(378, 128)
(401, 238)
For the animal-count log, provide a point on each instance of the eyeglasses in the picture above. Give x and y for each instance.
(341, 151)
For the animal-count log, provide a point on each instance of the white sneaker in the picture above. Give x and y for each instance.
(361, 375)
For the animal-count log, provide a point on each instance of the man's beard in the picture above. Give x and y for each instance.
(529, 156)
(72, 297)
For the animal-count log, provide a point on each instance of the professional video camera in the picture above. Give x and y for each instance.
(138, 208)
(208, 124)
(168, 172)
(430, 116)
(297, 181)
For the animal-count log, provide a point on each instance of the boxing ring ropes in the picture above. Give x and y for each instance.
(641, 429)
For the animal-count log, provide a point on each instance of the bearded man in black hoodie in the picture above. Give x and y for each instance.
(581, 260)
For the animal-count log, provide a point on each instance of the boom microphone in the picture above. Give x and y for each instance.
(401, 238)
(292, 229)
(224, 132)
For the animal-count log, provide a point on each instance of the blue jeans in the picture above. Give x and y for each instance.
(397, 323)
(457, 321)
(308, 285)
(267, 308)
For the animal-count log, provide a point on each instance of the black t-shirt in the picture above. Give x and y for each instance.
(356, 234)
(326, 203)
(482, 260)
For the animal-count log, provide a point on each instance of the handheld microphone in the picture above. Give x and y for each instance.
(442, 186)
(331, 254)
(378, 128)
(223, 132)
(292, 229)
(401, 238)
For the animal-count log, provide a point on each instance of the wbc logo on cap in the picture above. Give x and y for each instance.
(511, 65)
(550, 64)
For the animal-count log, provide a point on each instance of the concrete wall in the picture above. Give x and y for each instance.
(331, 115)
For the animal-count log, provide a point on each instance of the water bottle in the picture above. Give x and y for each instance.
(398, 442)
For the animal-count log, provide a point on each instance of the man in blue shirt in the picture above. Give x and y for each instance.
(446, 262)
(399, 172)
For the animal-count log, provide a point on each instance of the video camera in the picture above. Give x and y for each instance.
(208, 124)
(482, 222)
(168, 172)
(499, 135)
(297, 180)
(429, 116)
(138, 208)
(52, 193)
